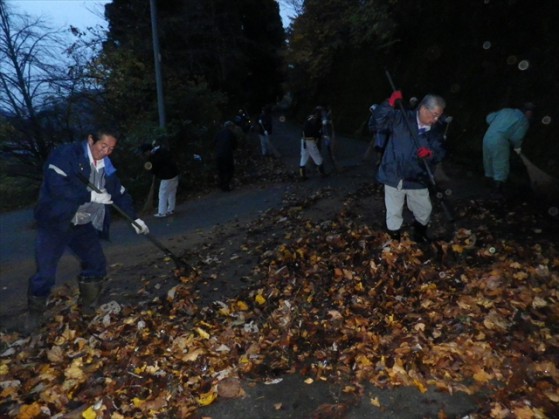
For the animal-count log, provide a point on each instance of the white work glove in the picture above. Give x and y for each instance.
(518, 150)
(143, 229)
(265, 132)
(101, 198)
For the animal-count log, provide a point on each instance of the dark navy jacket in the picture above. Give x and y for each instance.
(400, 161)
(62, 192)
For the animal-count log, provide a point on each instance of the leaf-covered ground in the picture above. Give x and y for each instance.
(325, 296)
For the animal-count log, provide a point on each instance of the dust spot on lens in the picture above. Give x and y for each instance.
(523, 65)
(546, 120)
(511, 59)
(486, 45)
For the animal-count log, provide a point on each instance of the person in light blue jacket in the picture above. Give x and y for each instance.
(507, 128)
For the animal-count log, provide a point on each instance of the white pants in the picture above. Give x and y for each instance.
(168, 195)
(418, 201)
(310, 149)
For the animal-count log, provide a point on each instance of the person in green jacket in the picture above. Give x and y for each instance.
(507, 128)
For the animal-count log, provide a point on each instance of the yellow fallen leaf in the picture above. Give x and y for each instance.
(309, 381)
(137, 402)
(241, 305)
(363, 361)
(207, 398)
(203, 334)
(421, 387)
(375, 401)
(259, 299)
(89, 413)
(4, 370)
(456, 248)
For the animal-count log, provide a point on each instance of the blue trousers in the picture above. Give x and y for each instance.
(82, 240)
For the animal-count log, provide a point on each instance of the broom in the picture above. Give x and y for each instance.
(542, 183)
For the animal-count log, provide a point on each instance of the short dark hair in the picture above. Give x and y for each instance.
(100, 132)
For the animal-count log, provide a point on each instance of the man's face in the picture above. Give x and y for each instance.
(103, 147)
(430, 116)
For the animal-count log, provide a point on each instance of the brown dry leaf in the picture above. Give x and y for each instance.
(75, 370)
(494, 321)
(498, 411)
(230, 388)
(56, 355)
(482, 376)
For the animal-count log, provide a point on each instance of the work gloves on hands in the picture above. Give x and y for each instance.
(101, 198)
(395, 97)
(140, 226)
(518, 150)
(424, 153)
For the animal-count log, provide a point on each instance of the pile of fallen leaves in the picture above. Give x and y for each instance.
(335, 301)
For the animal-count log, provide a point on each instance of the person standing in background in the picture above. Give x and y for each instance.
(161, 164)
(264, 128)
(329, 136)
(310, 143)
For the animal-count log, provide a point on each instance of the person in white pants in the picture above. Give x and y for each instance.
(167, 196)
(161, 164)
(312, 134)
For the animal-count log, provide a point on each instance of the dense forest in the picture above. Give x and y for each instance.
(218, 56)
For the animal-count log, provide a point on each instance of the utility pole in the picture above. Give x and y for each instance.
(157, 58)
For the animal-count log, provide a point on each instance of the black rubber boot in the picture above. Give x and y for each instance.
(420, 233)
(36, 307)
(303, 173)
(394, 234)
(498, 190)
(321, 170)
(90, 290)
